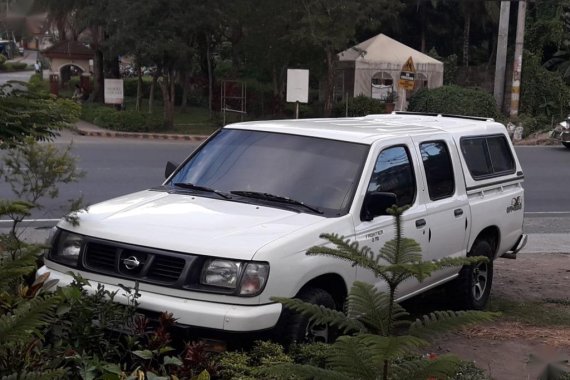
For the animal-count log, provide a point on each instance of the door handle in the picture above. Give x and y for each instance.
(458, 212)
(420, 223)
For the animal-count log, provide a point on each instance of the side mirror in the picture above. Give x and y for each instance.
(170, 168)
(376, 203)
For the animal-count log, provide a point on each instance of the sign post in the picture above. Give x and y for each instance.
(297, 88)
(407, 75)
(114, 91)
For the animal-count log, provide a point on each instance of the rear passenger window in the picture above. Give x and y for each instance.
(487, 156)
(438, 169)
(394, 173)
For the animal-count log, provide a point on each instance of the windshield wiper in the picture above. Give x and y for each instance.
(191, 186)
(275, 198)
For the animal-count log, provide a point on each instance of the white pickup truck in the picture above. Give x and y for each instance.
(230, 226)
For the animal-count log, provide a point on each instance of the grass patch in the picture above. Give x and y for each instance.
(191, 121)
(534, 313)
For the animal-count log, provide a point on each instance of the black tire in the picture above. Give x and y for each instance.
(295, 328)
(566, 144)
(472, 288)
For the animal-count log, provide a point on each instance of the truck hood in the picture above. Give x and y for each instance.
(189, 223)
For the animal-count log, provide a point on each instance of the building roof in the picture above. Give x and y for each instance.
(382, 48)
(70, 50)
(371, 128)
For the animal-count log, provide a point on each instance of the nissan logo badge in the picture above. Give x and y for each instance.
(131, 263)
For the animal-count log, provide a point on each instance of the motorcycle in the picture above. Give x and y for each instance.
(562, 132)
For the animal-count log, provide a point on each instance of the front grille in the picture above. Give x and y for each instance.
(101, 257)
(137, 263)
(165, 268)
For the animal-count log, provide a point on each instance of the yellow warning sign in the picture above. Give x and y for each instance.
(409, 66)
(406, 84)
(407, 75)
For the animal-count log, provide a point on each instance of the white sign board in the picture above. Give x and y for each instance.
(114, 91)
(297, 85)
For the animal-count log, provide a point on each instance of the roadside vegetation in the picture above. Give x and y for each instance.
(176, 71)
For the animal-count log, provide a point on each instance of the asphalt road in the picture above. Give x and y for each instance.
(112, 167)
(23, 76)
(547, 178)
(119, 166)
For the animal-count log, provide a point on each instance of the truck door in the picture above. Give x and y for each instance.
(448, 212)
(396, 171)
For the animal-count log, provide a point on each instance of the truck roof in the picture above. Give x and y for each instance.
(368, 129)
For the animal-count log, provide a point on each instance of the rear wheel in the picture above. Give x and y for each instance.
(294, 327)
(472, 288)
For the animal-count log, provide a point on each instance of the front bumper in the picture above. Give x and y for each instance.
(210, 315)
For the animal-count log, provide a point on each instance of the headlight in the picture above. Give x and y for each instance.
(67, 248)
(222, 273)
(248, 279)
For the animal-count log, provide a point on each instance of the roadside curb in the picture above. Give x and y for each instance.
(143, 136)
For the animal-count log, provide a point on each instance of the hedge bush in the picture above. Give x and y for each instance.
(12, 66)
(360, 106)
(454, 100)
(126, 121)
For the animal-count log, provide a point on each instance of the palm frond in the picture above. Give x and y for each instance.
(441, 367)
(351, 357)
(27, 319)
(23, 264)
(442, 321)
(321, 314)
(401, 251)
(300, 371)
(348, 251)
(389, 347)
(370, 307)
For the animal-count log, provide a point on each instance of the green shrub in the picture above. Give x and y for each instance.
(454, 100)
(543, 92)
(37, 85)
(360, 106)
(125, 121)
(3, 59)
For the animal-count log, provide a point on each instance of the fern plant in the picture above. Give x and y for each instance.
(378, 333)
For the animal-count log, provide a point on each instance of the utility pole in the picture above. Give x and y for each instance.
(517, 69)
(501, 60)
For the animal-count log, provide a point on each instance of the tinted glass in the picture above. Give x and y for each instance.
(476, 156)
(393, 173)
(488, 156)
(501, 155)
(438, 169)
(319, 172)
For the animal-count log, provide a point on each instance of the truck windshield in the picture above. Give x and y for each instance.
(318, 172)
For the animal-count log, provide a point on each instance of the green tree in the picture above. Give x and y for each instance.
(26, 113)
(381, 340)
(330, 27)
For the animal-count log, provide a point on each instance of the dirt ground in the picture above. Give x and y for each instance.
(503, 348)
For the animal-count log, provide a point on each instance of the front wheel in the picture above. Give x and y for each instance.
(472, 288)
(294, 327)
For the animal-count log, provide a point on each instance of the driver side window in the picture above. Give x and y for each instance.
(393, 173)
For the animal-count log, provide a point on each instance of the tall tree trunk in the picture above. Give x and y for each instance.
(152, 88)
(139, 87)
(99, 80)
(329, 89)
(98, 66)
(184, 81)
(210, 75)
(466, 32)
(167, 87)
